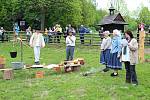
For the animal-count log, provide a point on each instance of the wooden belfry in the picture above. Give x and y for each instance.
(141, 46)
(113, 21)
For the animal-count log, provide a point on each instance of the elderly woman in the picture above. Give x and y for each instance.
(105, 50)
(115, 53)
(131, 58)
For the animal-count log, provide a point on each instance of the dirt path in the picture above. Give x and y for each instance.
(147, 51)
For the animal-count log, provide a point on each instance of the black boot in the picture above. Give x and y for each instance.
(114, 74)
(106, 69)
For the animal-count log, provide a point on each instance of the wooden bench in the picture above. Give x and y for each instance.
(7, 74)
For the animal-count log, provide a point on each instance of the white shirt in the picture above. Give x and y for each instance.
(70, 40)
(28, 32)
(106, 43)
(1, 31)
(126, 56)
(37, 40)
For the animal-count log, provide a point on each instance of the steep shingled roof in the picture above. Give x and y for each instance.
(113, 19)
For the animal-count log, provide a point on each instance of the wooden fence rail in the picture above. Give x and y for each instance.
(89, 39)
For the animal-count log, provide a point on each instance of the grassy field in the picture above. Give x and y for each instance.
(70, 86)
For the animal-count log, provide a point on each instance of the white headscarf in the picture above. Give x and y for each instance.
(117, 32)
(106, 32)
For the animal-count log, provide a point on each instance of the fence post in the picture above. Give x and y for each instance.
(141, 46)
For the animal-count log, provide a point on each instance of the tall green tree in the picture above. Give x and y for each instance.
(88, 12)
(132, 24)
(35, 10)
(8, 13)
(144, 16)
(45, 13)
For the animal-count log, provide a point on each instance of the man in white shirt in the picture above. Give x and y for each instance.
(70, 45)
(37, 42)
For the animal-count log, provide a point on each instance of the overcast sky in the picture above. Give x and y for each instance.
(131, 4)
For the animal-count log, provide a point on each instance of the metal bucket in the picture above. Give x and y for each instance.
(17, 65)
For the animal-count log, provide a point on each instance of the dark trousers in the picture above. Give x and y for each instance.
(58, 37)
(82, 38)
(131, 76)
(69, 53)
(50, 38)
(2, 37)
(28, 38)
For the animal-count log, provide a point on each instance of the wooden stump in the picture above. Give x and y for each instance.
(2, 66)
(8, 74)
(39, 74)
(57, 69)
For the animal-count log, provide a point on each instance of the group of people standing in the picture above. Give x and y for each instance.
(116, 50)
(37, 42)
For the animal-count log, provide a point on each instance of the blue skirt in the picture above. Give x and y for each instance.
(114, 62)
(105, 57)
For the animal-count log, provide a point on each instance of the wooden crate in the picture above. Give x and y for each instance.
(72, 68)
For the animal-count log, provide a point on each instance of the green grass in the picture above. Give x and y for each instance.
(70, 86)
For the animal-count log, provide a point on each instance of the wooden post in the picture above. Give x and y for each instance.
(141, 46)
(8, 74)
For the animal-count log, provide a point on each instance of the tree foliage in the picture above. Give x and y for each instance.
(132, 24)
(45, 13)
(144, 16)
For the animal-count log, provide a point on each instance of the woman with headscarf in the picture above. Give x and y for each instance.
(115, 53)
(105, 50)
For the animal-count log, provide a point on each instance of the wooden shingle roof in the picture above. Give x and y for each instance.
(113, 19)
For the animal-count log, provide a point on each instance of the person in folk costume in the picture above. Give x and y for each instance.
(130, 57)
(115, 53)
(105, 50)
(37, 42)
(70, 46)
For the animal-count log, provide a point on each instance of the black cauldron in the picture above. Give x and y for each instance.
(13, 54)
